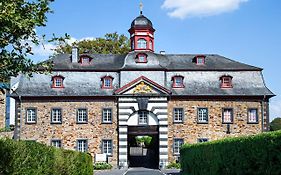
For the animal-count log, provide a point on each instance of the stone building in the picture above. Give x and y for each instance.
(101, 103)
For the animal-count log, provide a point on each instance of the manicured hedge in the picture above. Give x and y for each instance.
(29, 157)
(259, 155)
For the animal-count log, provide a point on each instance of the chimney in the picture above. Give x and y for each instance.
(75, 54)
(162, 52)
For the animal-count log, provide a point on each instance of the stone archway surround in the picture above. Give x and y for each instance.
(128, 106)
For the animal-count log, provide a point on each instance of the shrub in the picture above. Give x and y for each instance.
(173, 165)
(29, 157)
(259, 155)
(102, 166)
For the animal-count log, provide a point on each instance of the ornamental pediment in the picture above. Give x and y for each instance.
(142, 86)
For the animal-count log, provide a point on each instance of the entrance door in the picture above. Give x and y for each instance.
(143, 146)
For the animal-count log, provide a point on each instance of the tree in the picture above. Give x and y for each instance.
(112, 43)
(18, 21)
(275, 124)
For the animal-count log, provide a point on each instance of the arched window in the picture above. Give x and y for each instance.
(226, 81)
(177, 81)
(141, 43)
(141, 58)
(57, 81)
(107, 82)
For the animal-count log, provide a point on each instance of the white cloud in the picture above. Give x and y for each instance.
(275, 108)
(191, 8)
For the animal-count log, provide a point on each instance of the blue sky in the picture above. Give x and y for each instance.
(248, 31)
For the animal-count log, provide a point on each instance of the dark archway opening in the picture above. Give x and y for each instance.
(140, 155)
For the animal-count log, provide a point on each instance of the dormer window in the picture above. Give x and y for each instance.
(141, 58)
(141, 43)
(200, 59)
(177, 81)
(57, 81)
(85, 60)
(226, 81)
(107, 82)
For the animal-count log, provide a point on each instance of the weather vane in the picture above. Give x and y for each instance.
(141, 7)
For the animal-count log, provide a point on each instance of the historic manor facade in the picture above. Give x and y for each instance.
(99, 103)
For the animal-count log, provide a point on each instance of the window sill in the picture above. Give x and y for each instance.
(81, 122)
(177, 122)
(56, 123)
(30, 123)
(202, 122)
(106, 122)
(252, 122)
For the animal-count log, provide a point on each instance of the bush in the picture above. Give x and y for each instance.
(102, 166)
(259, 155)
(29, 157)
(173, 165)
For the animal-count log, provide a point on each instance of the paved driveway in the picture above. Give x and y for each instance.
(143, 171)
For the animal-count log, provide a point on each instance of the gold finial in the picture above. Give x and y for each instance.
(141, 7)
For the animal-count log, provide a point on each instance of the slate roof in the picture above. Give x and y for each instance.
(170, 62)
(141, 21)
(200, 80)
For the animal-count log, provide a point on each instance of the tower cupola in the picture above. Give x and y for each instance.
(142, 34)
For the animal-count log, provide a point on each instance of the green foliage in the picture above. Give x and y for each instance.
(275, 124)
(112, 43)
(29, 157)
(18, 21)
(102, 166)
(173, 165)
(146, 140)
(259, 155)
(5, 129)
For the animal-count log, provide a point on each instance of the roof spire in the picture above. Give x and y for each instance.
(141, 7)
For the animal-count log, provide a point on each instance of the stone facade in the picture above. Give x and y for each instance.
(190, 130)
(2, 108)
(69, 131)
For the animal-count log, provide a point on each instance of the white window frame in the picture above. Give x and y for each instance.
(142, 43)
(178, 142)
(82, 116)
(143, 118)
(56, 143)
(107, 147)
(56, 115)
(253, 115)
(31, 115)
(82, 145)
(107, 82)
(178, 115)
(106, 115)
(202, 115)
(227, 112)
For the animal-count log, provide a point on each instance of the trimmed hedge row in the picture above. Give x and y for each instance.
(29, 157)
(259, 155)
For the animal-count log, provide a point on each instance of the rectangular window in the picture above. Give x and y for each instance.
(58, 82)
(107, 82)
(177, 145)
(82, 116)
(202, 115)
(227, 115)
(201, 140)
(56, 116)
(200, 60)
(82, 145)
(31, 115)
(178, 82)
(178, 115)
(143, 120)
(253, 115)
(107, 115)
(107, 147)
(56, 143)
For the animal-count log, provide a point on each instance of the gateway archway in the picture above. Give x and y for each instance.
(143, 140)
(142, 116)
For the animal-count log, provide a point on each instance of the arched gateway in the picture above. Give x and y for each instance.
(142, 111)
